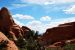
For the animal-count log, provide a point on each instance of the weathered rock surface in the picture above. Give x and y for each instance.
(26, 31)
(60, 33)
(8, 44)
(10, 28)
(7, 24)
(6, 21)
(16, 29)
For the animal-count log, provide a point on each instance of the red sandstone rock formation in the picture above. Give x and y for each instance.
(6, 20)
(10, 28)
(26, 31)
(10, 45)
(7, 24)
(72, 41)
(60, 33)
(16, 29)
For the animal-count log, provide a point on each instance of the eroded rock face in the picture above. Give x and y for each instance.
(25, 28)
(10, 29)
(7, 44)
(16, 29)
(26, 31)
(7, 24)
(60, 33)
(6, 21)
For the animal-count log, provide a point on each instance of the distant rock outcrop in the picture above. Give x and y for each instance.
(26, 31)
(61, 33)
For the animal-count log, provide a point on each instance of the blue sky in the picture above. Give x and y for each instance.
(40, 14)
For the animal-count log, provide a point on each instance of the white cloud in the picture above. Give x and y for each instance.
(62, 21)
(38, 1)
(64, 1)
(45, 18)
(18, 22)
(41, 27)
(37, 26)
(46, 2)
(21, 16)
(70, 10)
(19, 5)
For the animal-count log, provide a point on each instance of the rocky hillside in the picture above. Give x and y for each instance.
(9, 29)
(12, 36)
(58, 34)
